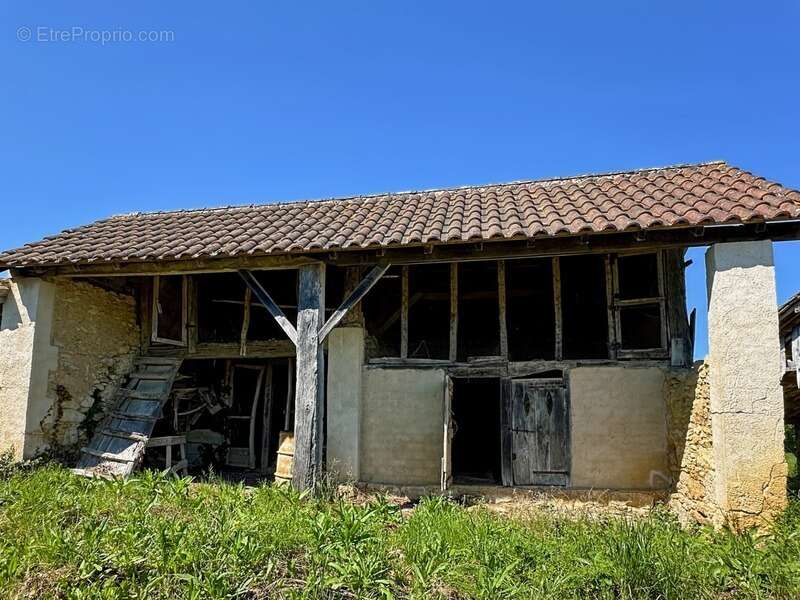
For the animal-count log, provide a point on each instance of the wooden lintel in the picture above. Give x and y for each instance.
(352, 299)
(273, 308)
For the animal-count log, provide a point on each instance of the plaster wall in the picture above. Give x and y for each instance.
(402, 426)
(746, 400)
(618, 420)
(345, 358)
(25, 352)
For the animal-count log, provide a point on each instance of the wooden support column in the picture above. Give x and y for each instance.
(501, 297)
(404, 314)
(796, 354)
(309, 397)
(453, 312)
(559, 349)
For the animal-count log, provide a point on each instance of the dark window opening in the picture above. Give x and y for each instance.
(429, 311)
(282, 288)
(530, 314)
(638, 276)
(476, 450)
(382, 308)
(478, 310)
(170, 308)
(220, 307)
(640, 306)
(640, 326)
(584, 307)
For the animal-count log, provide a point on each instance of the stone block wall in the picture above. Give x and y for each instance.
(97, 336)
(689, 446)
(64, 347)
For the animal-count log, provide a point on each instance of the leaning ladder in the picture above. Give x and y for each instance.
(119, 444)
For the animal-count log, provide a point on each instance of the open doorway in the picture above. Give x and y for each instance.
(476, 447)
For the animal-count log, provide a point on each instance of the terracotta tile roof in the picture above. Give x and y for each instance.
(680, 196)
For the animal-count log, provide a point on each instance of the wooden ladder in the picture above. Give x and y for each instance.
(118, 446)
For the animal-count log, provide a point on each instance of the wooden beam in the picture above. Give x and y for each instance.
(501, 297)
(796, 352)
(273, 308)
(248, 299)
(404, 315)
(309, 396)
(559, 316)
(453, 312)
(611, 308)
(355, 296)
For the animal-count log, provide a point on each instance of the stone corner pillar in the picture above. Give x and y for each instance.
(345, 361)
(26, 358)
(744, 374)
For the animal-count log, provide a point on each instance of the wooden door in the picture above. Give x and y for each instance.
(537, 432)
(447, 460)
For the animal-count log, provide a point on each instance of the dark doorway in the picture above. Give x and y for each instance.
(476, 442)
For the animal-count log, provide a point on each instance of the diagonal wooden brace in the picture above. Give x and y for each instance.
(265, 299)
(355, 296)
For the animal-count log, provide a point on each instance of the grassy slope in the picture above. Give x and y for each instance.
(151, 537)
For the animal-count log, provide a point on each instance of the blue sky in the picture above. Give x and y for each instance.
(255, 102)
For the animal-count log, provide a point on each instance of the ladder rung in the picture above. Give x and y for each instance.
(121, 415)
(105, 455)
(149, 375)
(158, 360)
(126, 435)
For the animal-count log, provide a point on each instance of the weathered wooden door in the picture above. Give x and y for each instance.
(536, 432)
(447, 461)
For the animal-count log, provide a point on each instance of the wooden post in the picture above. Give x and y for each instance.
(611, 313)
(404, 314)
(355, 316)
(248, 297)
(559, 349)
(453, 312)
(501, 302)
(310, 390)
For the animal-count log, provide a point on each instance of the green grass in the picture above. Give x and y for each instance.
(62, 536)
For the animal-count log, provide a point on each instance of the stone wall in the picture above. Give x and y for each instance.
(97, 337)
(689, 446)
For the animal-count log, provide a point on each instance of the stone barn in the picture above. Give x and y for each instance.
(527, 335)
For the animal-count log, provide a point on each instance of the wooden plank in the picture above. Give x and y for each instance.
(352, 299)
(796, 353)
(105, 455)
(273, 308)
(248, 299)
(506, 462)
(309, 397)
(404, 314)
(611, 308)
(127, 435)
(501, 295)
(447, 456)
(167, 440)
(453, 312)
(559, 316)
(267, 413)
